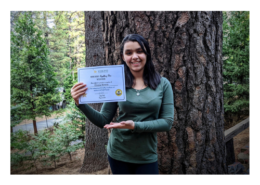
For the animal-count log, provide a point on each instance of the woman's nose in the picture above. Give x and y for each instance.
(135, 55)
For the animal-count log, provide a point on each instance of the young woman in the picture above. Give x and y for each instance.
(132, 146)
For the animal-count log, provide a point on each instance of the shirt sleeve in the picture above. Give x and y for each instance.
(165, 121)
(101, 118)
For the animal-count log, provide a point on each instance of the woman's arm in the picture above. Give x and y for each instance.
(101, 118)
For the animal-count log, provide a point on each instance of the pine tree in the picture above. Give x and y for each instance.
(76, 40)
(32, 77)
(58, 46)
(40, 18)
(236, 64)
(68, 84)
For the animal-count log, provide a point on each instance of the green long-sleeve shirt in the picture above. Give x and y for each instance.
(152, 111)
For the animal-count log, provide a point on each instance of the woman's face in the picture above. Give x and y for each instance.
(134, 56)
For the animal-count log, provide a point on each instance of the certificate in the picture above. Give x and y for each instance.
(105, 84)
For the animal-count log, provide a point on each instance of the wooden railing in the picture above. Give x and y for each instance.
(229, 134)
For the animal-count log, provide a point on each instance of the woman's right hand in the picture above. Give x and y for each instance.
(77, 90)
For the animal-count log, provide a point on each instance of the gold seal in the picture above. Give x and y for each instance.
(84, 95)
(118, 92)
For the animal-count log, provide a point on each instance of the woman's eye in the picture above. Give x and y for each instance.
(139, 51)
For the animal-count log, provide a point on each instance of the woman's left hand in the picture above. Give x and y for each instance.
(129, 124)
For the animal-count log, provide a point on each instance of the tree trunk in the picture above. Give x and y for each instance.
(35, 127)
(70, 156)
(33, 107)
(186, 49)
(95, 152)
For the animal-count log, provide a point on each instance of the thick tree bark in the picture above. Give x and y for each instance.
(95, 152)
(186, 49)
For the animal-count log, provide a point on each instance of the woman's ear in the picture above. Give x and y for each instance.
(122, 56)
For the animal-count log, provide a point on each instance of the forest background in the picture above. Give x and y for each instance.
(62, 38)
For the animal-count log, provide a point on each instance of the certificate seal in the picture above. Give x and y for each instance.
(118, 92)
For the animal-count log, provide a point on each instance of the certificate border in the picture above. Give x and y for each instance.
(109, 66)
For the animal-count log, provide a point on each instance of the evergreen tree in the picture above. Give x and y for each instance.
(76, 40)
(58, 46)
(32, 77)
(236, 64)
(13, 18)
(68, 84)
(40, 18)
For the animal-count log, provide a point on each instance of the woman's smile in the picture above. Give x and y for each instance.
(136, 63)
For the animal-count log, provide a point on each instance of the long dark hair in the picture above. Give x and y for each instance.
(150, 76)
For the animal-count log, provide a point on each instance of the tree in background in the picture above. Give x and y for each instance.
(14, 15)
(75, 117)
(32, 78)
(58, 46)
(68, 84)
(66, 42)
(236, 65)
(64, 35)
(63, 32)
(76, 41)
(40, 19)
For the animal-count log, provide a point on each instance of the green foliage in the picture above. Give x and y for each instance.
(76, 39)
(76, 118)
(67, 134)
(68, 84)
(55, 149)
(43, 56)
(42, 142)
(15, 118)
(236, 63)
(66, 42)
(32, 77)
(58, 46)
(16, 160)
(20, 139)
(20, 142)
(44, 148)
